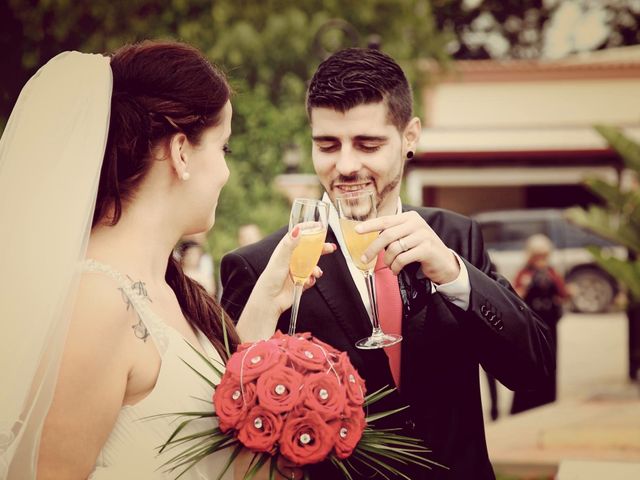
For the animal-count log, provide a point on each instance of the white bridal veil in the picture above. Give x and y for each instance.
(50, 158)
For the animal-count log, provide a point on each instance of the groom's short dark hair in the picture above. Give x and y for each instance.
(357, 76)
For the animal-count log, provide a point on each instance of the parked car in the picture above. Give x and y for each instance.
(505, 233)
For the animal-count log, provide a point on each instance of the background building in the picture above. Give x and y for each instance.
(519, 133)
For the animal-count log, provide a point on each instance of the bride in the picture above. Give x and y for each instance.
(100, 317)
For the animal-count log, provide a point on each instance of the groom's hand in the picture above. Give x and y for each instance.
(408, 238)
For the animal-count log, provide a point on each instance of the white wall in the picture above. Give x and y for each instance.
(543, 103)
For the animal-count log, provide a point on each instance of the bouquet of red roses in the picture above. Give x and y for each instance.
(298, 398)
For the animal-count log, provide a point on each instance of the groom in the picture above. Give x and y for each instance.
(434, 281)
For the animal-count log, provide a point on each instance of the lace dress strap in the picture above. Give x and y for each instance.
(134, 294)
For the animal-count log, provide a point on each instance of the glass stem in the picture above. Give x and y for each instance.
(297, 293)
(375, 321)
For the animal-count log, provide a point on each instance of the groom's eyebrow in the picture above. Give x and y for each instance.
(370, 138)
(357, 138)
(324, 138)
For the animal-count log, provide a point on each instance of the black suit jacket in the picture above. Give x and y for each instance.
(442, 345)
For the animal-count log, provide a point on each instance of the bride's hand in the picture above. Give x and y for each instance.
(273, 292)
(275, 283)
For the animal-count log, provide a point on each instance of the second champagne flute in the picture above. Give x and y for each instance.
(311, 216)
(354, 208)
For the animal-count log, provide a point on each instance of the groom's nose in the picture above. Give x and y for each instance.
(348, 162)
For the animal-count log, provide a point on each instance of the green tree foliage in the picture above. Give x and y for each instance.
(269, 49)
(619, 217)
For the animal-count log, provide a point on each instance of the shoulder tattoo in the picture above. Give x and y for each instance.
(139, 328)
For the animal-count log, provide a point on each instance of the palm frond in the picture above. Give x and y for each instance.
(259, 460)
(230, 460)
(378, 416)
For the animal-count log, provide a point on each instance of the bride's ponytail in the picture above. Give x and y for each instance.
(201, 309)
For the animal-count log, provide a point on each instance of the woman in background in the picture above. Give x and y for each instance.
(543, 289)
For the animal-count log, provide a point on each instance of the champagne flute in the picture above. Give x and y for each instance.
(311, 216)
(353, 208)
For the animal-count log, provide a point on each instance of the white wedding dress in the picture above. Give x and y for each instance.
(131, 451)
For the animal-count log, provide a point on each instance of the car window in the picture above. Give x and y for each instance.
(491, 233)
(572, 236)
(511, 235)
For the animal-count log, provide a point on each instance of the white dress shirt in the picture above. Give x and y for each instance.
(456, 291)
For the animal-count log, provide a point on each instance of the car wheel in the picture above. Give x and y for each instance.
(593, 290)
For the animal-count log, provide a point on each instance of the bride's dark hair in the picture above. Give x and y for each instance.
(159, 89)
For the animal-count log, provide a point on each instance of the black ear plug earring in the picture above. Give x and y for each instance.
(409, 154)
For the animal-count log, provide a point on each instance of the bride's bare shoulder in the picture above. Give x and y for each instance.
(101, 307)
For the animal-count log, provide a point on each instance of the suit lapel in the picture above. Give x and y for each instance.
(341, 295)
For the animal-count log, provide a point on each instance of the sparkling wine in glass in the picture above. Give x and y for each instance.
(311, 216)
(353, 208)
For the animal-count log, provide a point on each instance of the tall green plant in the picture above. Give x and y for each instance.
(619, 217)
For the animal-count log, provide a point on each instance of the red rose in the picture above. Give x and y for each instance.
(260, 430)
(353, 382)
(279, 389)
(232, 402)
(330, 349)
(283, 340)
(251, 362)
(279, 339)
(305, 335)
(305, 355)
(306, 438)
(323, 394)
(349, 428)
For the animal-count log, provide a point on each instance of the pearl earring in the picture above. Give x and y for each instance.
(185, 176)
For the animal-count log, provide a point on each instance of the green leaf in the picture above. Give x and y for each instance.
(378, 395)
(626, 148)
(401, 456)
(386, 444)
(257, 462)
(207, 361)
(368, 464)
(173, 437)
(340, 466)
(209, 437)
(232, 457)
(272, 467)
(625, 271)
(378, 416)
(192, 456)
(606, 224)
(609, 192)
(378, 466)
(225, 336)
(204, 377)
(208, 401)
(208, 413)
